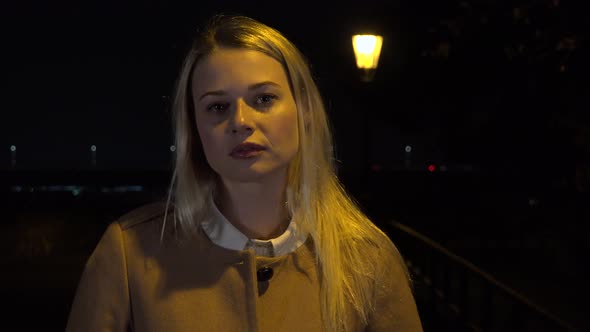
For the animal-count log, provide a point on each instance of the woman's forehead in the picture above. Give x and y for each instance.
(233, 67)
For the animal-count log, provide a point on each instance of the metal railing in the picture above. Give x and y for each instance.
(452, 294)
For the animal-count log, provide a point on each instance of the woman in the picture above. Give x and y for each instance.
(257, 233)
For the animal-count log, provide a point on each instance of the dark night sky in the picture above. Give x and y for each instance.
(101, 73)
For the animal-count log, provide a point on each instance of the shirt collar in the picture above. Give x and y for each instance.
(221, 232)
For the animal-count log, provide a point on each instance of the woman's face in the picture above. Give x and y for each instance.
(245, 113)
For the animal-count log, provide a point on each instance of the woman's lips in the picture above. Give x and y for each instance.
(246, 150)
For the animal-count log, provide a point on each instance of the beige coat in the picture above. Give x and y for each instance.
(132, 281)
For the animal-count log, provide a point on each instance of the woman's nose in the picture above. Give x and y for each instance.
(242, 119)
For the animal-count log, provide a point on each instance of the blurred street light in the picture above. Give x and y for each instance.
(367, 49)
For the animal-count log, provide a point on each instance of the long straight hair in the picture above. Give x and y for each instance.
(316, 199)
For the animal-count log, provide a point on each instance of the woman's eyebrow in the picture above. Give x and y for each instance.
(261, 84)
(250, 87)
(212, 93)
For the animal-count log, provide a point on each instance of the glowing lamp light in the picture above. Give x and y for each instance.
(431, 168)
(367, 49)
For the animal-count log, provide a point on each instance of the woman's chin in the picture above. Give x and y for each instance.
(254, 173)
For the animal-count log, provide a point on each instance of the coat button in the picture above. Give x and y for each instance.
(264, 274)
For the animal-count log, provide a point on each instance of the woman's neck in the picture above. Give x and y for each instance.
(257, 209)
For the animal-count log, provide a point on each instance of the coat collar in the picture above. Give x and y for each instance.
(221, 232)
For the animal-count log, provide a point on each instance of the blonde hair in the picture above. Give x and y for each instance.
(315, 197)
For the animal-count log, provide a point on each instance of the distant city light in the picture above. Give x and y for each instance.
(93, 148)
(76, 190)
(431, 168)
(13, 148)
(408, 148)
(172, 148)
(129, 188)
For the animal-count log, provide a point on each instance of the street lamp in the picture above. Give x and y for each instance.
(367, 49)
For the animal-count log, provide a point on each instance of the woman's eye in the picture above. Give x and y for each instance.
(265, 99)
(217, 107)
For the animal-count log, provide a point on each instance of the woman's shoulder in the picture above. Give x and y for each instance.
(391, 266)
(145, 214)
(153, 223)
(144, 223)
(147, 230)
(376, 242)
(382, 253)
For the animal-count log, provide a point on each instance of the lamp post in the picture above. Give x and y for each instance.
(367, 49)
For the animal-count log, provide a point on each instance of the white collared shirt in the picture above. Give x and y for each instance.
(221, 232)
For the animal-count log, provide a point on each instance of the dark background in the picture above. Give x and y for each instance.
(494, 95)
